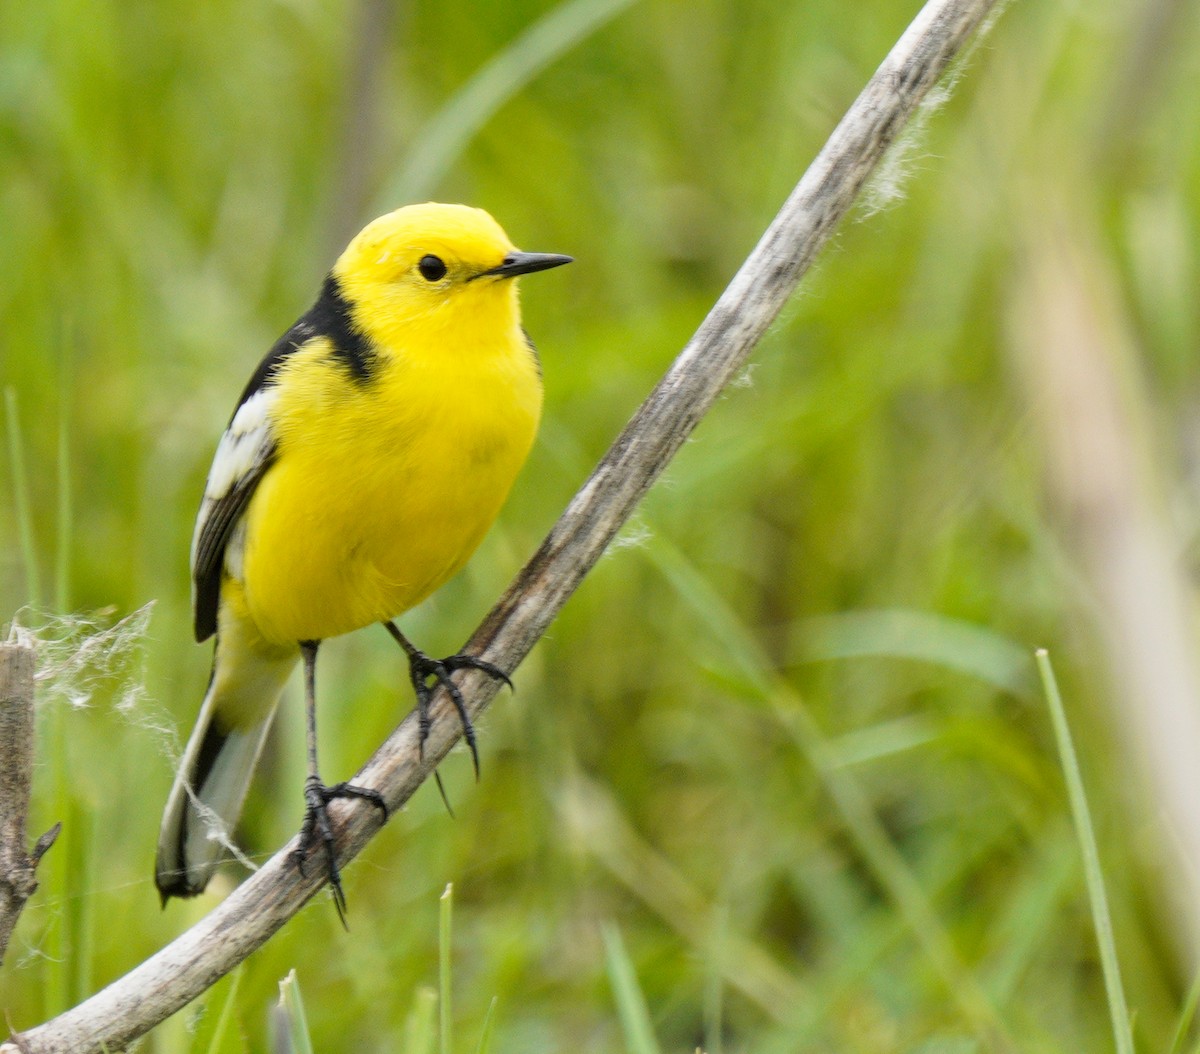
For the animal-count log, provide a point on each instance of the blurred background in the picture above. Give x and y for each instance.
(788, 740)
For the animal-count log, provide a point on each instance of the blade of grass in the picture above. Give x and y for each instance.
(217, 1038)
(489, 1028)
(21, 501)
(1186, 1016)
(952, 643)
(419, 1029)
(452, 127)
(294, 1018)
(445, 913)
(714, 987)
(1118, 1009)
(631, 1003)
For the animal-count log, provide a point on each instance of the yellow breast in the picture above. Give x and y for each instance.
(382, 488)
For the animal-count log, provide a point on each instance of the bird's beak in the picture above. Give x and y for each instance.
(516, 263)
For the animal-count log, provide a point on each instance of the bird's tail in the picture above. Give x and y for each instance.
(210, 787)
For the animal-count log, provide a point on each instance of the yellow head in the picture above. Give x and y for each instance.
(435, 272)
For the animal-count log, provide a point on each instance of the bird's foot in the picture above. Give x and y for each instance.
(422, 670)
(317, 797)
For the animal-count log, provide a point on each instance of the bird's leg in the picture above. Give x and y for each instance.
(422, 667)
(317, 795)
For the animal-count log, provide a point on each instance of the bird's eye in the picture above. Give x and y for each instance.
(432, 268)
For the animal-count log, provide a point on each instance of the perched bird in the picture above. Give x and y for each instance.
(366, 459)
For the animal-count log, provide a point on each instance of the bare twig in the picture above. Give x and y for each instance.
(260, 906)
(18, 867)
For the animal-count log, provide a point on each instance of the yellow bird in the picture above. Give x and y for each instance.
(367, 457)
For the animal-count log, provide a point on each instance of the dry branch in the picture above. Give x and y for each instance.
(18, 866)
(179, 972)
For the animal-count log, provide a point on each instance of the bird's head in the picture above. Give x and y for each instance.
(447, 268)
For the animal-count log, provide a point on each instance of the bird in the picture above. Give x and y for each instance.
(368, 455)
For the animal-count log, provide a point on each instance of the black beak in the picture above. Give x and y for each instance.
(525, 263)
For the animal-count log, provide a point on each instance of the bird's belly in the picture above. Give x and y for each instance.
(338, 536)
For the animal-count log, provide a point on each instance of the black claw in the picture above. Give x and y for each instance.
(472, 662)
(461, 706)
(317, 797)
(421, 669)
(353, 790)
(437, 778)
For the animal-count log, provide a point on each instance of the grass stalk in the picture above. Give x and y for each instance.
(445, 918)
(489, 1028)
(714, 986)
(294, 1017)
(419, 1029)
(225, 1017)
(631, 1003)
(1186, 1016)
(1094, 876)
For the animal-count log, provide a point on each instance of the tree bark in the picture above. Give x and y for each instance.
(18, 867)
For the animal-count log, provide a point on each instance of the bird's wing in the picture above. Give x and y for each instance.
(246, 451)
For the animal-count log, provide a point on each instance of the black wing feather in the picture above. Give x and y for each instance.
(210, 548)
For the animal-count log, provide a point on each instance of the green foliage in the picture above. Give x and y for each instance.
(784, 740)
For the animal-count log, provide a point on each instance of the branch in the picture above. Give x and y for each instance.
(17, 866)
(178, 973)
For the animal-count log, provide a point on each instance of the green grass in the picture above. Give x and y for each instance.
(1186, 1016)
(636, 1026)
(1093, 870)
(445, 947)
(421, 1028)
(786, 740)
(489, 1028)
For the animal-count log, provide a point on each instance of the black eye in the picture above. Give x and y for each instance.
(432, 269)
